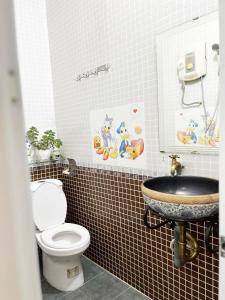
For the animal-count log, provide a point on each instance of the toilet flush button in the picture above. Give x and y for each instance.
(71, 273)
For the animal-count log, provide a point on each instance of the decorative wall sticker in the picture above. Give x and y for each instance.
(118, 136)
(193, 128)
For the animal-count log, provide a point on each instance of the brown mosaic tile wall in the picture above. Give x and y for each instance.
(46, 171)
(110, 205)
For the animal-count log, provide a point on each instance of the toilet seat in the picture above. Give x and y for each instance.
(48, 247)
(65, 236)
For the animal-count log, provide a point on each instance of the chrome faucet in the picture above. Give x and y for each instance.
(176, 166)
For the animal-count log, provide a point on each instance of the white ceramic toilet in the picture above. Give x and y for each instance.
(62, 243)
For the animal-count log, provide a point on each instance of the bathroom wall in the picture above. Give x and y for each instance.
(107, 200)
(34, 64)
(110, 205)
(85, 34)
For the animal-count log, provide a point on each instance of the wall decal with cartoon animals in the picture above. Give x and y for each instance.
(118, 136)
(196, 128)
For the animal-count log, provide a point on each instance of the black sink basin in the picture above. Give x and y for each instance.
(183, 185)
(182, 197)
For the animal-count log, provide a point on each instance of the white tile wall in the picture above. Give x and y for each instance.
(84, 34)
(34, 63)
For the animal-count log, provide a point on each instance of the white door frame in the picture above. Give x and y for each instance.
(19, 271)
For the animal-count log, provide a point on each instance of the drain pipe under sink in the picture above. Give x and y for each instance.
(184, 242)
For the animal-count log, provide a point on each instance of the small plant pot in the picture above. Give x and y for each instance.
(34, 155)
(45, 154)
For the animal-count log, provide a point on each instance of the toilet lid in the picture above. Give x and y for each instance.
(48, 204)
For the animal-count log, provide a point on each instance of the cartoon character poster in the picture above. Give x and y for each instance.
(118, 136)
(194, 128)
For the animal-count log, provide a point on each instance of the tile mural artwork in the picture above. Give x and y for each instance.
(118, 136)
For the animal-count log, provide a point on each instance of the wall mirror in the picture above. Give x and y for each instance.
(188, 73)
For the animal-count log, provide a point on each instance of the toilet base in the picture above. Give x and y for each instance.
(63, 273)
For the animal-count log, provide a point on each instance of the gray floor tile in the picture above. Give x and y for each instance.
(76, 295)
(49, 292)
(90, 268)
(99, 285)
(104, 287)
(131, 294)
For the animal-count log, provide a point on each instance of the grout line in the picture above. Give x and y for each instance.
(123, 292)
(93, 277)
(64, 295)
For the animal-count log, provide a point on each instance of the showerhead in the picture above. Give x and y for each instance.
(216, 47)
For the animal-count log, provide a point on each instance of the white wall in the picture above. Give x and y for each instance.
(84, 34)
(34, 63)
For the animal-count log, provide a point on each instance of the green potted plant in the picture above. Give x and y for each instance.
(50, 142)
(32, 138)
(48, 147)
